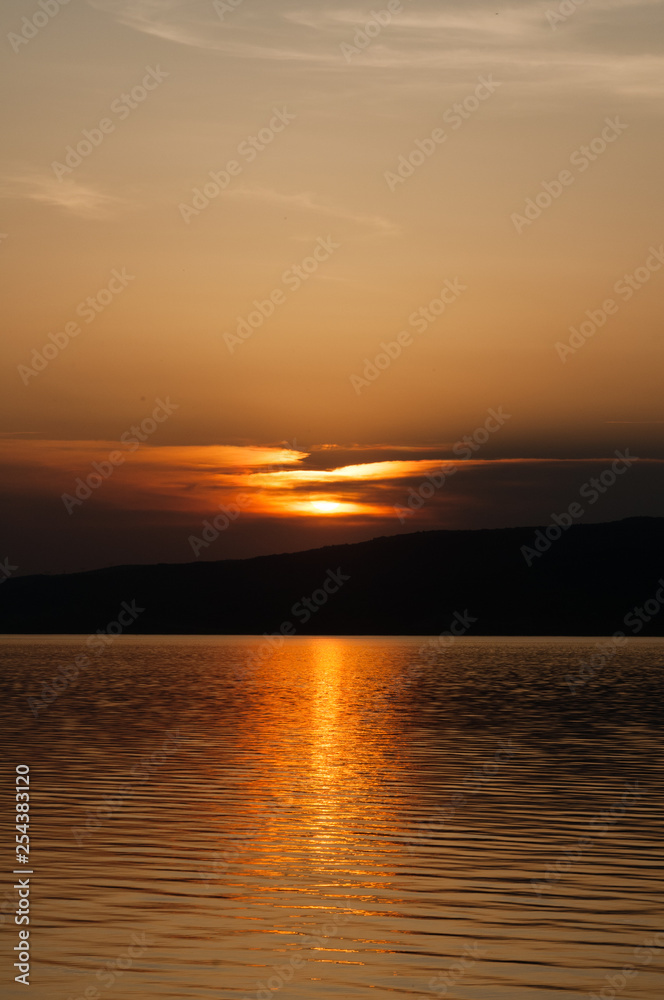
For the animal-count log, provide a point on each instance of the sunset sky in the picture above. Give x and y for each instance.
(404, 228)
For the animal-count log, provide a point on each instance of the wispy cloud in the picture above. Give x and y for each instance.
(175, 21)
(463, 39)
(16, 435)
(68, 195)
(307, 202)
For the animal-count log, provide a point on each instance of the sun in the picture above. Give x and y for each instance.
(326, 506)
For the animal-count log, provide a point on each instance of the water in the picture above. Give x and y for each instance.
(203, 816)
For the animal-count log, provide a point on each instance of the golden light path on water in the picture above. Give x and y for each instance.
(317, 818)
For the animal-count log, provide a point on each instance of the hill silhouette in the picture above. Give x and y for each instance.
(586, 583)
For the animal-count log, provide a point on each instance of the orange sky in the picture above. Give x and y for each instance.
(360, 250)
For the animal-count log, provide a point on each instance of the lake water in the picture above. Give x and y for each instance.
(338, 817)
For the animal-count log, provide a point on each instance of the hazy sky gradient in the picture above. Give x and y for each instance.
(320, 182)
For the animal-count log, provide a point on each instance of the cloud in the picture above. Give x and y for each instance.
(510, 22)
(150, 506)
(175, 21)
(610, 46)
(68, 195)
(284, 481)
(308, 203)
(15, 435)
